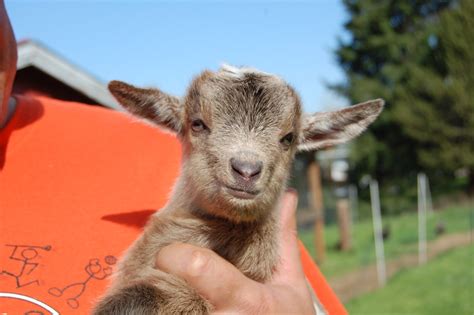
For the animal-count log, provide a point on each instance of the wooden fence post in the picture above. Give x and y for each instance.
(377, 222)
(422, 247)
(314, 180)
(344, 222)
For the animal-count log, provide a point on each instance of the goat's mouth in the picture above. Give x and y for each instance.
(241, 193)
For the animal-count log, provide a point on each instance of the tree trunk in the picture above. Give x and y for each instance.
(470, 183)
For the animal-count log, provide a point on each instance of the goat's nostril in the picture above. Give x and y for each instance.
(247, 170)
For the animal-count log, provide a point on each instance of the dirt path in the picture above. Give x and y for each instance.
(365, 279)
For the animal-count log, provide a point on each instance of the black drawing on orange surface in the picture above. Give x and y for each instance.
(95, 270)
(34, 312)
(26, 254)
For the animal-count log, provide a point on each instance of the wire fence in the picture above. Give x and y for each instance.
(364, 254)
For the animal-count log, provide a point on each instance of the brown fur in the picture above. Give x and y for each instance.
(246, 114)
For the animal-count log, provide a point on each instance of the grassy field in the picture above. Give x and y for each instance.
(403, 238)
(442, 286)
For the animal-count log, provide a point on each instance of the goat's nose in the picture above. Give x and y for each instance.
(245, 169)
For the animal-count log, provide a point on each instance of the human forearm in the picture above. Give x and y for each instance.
(8, 57)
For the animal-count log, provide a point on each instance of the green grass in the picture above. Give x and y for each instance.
(403, 238)
(445, 285)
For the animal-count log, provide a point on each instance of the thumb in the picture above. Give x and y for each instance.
(289, 269)
(215, 279)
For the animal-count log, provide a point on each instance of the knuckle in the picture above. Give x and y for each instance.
(200, 263)
(256, 301)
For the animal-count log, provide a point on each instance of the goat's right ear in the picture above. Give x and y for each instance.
(151, 104)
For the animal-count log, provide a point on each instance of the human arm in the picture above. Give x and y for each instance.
(8, 57)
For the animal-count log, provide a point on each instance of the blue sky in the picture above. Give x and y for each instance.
(164, 44)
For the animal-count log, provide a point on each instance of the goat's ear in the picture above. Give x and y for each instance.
(151, 104)
(322, 130)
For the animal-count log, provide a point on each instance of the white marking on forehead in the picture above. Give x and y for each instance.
(240, 72)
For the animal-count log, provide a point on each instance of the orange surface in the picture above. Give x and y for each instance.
(77, 184)
(320, 286)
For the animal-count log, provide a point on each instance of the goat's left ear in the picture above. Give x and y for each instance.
(322, 130)
(153, 105)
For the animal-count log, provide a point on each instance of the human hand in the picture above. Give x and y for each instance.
(230, 291)
(8, 57)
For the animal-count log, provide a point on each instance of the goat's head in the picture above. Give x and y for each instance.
(240, 129)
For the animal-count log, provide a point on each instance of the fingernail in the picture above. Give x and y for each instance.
(198, 263)
(291, 197)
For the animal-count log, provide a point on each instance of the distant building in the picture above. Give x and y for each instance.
(40, 71)
(334, 167)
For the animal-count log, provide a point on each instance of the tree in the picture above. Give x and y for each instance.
(440, 115)
(408, 52)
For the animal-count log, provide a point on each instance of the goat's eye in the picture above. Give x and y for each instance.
(198, 125)
(287, 140)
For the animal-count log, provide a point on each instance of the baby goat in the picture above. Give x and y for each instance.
(239, 129)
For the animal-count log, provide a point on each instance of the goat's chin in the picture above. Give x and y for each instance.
(238, 206)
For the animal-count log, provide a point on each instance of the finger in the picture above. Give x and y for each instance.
(221, 283)
(289, 268)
